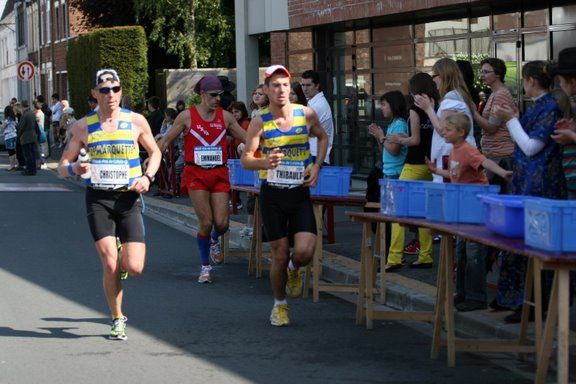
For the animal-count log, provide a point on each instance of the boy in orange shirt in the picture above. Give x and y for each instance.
(466, 166)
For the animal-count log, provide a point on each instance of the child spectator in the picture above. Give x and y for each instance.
(537, 169)
(415, 168)
(169, 117)
(466, 165)
(393, 106)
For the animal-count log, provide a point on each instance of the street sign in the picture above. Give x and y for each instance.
(26, 70)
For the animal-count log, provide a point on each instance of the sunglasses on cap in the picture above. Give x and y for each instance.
(106, 90)
(215, 94)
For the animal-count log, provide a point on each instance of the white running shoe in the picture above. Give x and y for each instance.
(205, 276)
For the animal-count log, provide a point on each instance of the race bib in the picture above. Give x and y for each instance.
(208, 156)
(287, 173)
(110, 173)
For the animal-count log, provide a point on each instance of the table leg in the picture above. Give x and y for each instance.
(563, 324)
(543, 355)
(449, 297)
(382, 242)
(369, 276)
(440, 300)
(317, 260)
(532, 288)
(362, 288)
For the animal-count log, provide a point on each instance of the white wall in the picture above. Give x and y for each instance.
(8, 60)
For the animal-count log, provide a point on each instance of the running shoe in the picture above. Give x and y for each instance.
(294, 283)
(123, 274)
(215, 252)
(118, 330)
(279, 316)
(205, 276)
(413, 248)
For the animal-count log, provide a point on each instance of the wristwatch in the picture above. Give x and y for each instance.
(150, 177)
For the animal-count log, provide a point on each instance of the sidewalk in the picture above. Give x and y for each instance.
(408, 290)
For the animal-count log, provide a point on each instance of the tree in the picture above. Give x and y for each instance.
(197, 32)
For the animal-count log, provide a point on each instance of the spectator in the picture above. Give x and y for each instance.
(259, 101)
(227, 86)
(126, 103)
(28, 138)
(56, 116)
(393, 106)
(92, 103)
(496, 142)
(156, 116)
(537, 169)
(180, 106)
(42, 140)
(10, 136)
(297, 95)
(170, 115)
(419, 142)
(455, 98)
(310, 83)
(466, 165)
(13, 101)
(68, 116)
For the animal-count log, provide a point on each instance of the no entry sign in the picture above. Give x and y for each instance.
(26, 70)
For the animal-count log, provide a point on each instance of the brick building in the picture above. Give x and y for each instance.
(42, 30)
(365, 48)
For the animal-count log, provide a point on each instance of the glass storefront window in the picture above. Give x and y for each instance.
(363, 59)
(343, 38)
(300, 40)
(479, 49)
(535, 46)
(536, 18)
(394, 56)
(299, 63)
(561, 40)
(480, 24)
(428, 53)
(390, 81)
(392, 33)
(507, 21)
(443, 28)
(564, 14)
(507, 52)
(363, 36)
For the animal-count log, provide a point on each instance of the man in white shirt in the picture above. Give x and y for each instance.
(310, 82)
(56, 115)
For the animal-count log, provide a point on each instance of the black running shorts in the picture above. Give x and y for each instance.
(286, 211)
(115, 214)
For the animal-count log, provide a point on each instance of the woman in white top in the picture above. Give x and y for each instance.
(454, 98)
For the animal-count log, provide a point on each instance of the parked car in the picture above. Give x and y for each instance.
(2, 144)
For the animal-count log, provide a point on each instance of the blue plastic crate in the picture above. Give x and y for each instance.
(456, 203)
(333, 181)
(550, 225)
(404, 198)
(239, 175)
(504, 214)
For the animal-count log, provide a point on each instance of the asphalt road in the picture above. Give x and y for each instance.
(54, 320)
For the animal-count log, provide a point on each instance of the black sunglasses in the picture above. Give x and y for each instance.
(106, 90)
(215, 94)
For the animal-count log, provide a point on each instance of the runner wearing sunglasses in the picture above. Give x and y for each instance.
(205, 177)
(111, 136)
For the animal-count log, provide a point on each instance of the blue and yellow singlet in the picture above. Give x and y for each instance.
(114, 156)
(293, 143)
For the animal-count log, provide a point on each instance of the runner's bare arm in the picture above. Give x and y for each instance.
(233, 127)
(77, 141)
(248, 160)
(179, 126)
(146, 138)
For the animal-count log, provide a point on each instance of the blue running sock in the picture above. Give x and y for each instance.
(204, 247)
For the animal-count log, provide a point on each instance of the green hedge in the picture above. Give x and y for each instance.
(121, 48)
